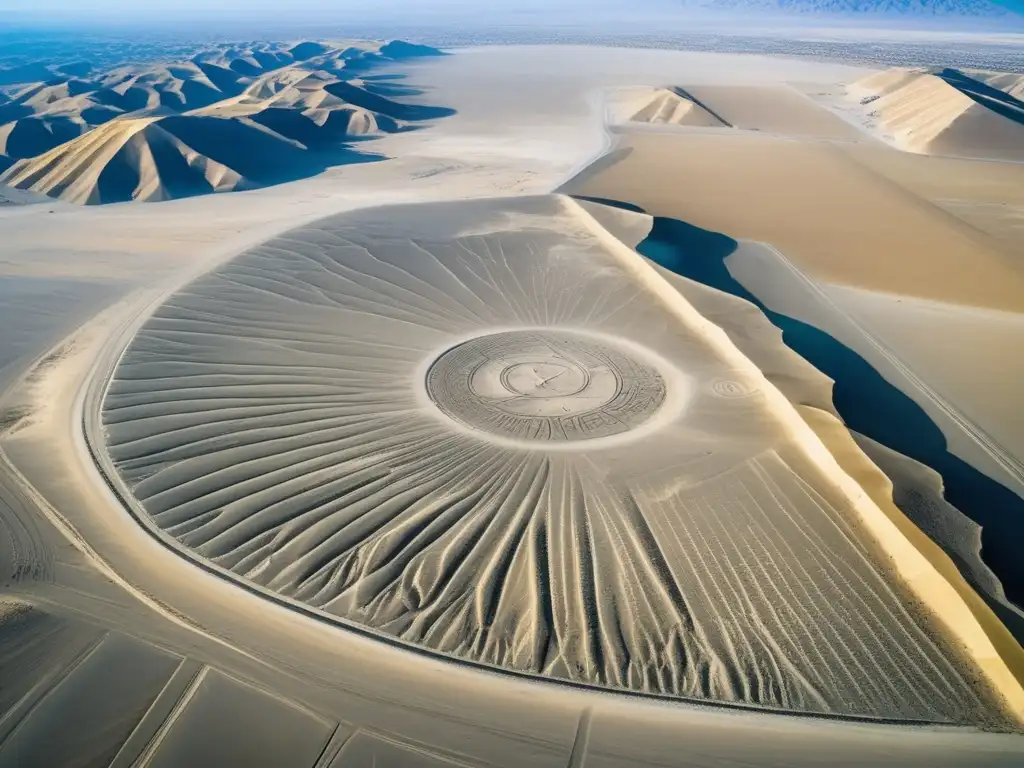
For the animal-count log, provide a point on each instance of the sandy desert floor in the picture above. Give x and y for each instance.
(364, 484)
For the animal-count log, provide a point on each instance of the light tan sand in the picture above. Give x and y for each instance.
(627, 227)
(778, 110)
(1009, 83)
(921, 512)
(442, 512)
(921, 112)
(523, 122)
(759, 215)
(918, 491)
(658, 106)
(987, 195)
(963, 353)
(832, 217)
(781, 287)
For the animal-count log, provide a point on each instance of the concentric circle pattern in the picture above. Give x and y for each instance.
(544, 385)
(483, 430)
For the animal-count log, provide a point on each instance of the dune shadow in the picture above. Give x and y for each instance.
(225, 80)
(34, 72)
(261, 158)
(385, 77)
(374, 102)
(391, 90)
(34, 136)
(867, 403)
(12, 110)
(998, 101)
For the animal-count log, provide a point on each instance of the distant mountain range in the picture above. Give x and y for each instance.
(228, 119)
(971, 8)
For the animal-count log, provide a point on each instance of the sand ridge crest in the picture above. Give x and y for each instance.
(945, 112)
(225, 120)
(673, 106)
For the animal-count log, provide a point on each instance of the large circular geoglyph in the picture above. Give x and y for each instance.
(545, 385)
(485, 430)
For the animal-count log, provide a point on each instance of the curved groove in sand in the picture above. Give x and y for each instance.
(266, 419)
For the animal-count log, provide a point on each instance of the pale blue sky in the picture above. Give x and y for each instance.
(306, 7)
(298, 12)
(291, 12)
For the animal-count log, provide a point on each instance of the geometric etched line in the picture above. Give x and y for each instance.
(328, 758)
(366, 748)
(10, 720)
(184, 680)
(184, 689)
(579, 746)
(228, 722)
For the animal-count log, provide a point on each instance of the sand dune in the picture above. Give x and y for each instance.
(943, 113)
(792, 195)
(124, 160)
(523, 124)
(152, 159)
(226, 120)
(667, 106)
(415, 419)
(1009, 83)
(780, 110)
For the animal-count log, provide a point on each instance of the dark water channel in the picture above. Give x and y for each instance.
(867, 403)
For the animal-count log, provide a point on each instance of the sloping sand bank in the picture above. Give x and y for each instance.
(945, 112)
(492, 431)
(659, 106)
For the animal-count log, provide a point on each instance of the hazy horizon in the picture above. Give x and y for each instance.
(582, 13)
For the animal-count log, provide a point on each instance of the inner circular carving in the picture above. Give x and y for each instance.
(730, 389)
(544, 386)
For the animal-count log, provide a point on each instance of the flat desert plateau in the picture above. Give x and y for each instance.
(364, 405)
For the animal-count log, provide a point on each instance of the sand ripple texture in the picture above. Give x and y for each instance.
(479, 428)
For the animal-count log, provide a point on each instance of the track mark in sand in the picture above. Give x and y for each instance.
(87, 715)
(329, 758)
(365, 749)
(178, 705)
(24, 555)
(579, 744)
(252, 728)
(154, 724)
(727, 388)
(57, 655)
(275, 417)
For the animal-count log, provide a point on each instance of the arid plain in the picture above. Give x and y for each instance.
(561, 406)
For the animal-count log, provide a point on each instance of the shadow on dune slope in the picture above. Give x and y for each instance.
(1000, 102)
(258, 156)
(867, 403)
(361, 97)
(230, 118)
